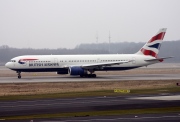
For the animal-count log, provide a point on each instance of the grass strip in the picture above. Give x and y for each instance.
(97, 113)
(89, 94)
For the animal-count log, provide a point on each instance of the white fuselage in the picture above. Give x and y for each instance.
(46, 63)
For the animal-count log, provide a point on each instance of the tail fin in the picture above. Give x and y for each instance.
(152, 47)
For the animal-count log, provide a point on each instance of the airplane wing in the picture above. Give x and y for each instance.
(158, 59)
(103, 64)
(94, 65)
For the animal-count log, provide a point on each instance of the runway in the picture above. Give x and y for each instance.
(171, 117)
(104, 103)
(174, 117)
(67, 78)
(155, 72)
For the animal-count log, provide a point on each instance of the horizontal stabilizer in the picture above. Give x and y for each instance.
(158, 59)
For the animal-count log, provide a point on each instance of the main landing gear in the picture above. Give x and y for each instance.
(88, 75)
(19, 74)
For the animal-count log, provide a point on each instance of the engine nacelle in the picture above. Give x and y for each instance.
(77, 71)
(62, 71)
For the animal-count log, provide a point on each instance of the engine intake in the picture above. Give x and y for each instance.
(77, 71)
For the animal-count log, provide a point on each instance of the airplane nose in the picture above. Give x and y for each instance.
(7, 65)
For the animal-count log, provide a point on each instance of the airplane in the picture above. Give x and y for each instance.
(86, 65)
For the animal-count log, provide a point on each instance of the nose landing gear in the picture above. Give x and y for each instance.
(19, 74)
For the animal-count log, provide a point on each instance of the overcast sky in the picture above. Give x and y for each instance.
(67, 23)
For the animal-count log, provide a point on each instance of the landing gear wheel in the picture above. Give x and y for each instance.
(19, 77)
(93, 75)
(19, 74)
(88, 76)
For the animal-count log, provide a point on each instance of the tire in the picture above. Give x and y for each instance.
(89, 75)
(94, 75)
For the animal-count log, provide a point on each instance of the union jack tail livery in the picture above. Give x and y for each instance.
(152, 47)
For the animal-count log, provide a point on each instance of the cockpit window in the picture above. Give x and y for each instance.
(13, 61)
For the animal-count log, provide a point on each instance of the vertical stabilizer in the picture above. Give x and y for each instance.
(152, 47)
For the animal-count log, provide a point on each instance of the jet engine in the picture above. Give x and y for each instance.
(77, 71)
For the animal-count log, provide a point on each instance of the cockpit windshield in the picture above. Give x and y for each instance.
(12, 60)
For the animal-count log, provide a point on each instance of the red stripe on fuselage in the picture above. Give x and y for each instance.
(159, 36)
(28, 59)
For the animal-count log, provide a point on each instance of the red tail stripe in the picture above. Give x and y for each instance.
(148, 52)
(159, 36)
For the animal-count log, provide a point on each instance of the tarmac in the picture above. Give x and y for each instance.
(67, 78)
(104, 103)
